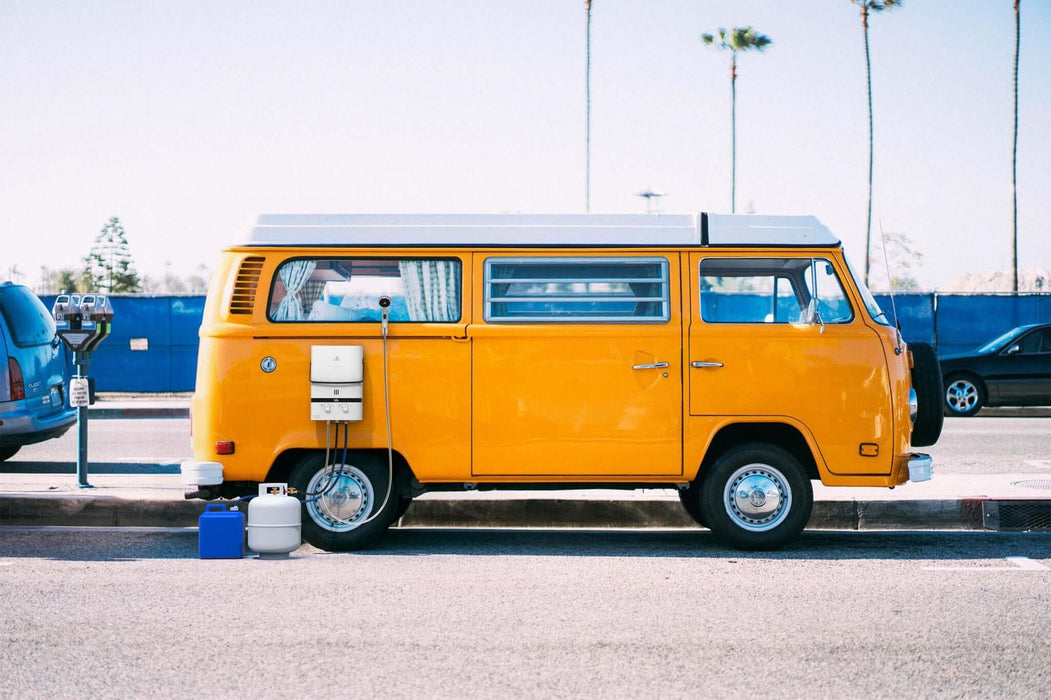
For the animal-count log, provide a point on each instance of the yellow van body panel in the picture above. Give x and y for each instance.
(474, 401)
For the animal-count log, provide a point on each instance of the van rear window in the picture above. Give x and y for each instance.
(577, 290)
(28, 320)
(348, 290)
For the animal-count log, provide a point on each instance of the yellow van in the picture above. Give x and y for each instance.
(368, 359)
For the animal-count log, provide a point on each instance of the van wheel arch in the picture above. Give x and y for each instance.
(782, 435)
(281, 469)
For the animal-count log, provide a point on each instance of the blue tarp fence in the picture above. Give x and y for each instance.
(153, 347)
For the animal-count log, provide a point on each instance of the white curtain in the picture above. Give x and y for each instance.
(432, 289)
(294, 274)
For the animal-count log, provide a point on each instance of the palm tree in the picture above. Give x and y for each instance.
(868, 7)
(587, 101)
(737, 40)
(1014, 161)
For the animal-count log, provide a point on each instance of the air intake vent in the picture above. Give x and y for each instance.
(243, 299)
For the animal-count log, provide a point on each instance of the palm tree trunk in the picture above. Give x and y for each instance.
(587, 100)
(868, 77)
(733, 133)
(1014, 160)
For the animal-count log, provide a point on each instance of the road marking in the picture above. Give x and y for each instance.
(1020, 564)
(1039, 463)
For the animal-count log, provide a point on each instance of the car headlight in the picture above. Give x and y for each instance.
(914, 404)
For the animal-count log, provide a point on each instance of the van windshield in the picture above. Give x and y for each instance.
(28, 320)
(871, 305)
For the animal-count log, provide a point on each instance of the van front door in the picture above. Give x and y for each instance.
(775, 339)
(577, 365)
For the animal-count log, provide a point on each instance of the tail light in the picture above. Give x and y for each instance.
(18, 385)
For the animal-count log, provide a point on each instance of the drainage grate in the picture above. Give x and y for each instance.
(1033, 484)
(1018, 515)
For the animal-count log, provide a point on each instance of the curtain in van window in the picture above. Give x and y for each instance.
(432, 289)
(294, 275)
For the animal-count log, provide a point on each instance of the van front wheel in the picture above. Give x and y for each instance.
(345, 507)
(756, 496)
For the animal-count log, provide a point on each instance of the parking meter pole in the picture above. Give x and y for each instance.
(82, 359)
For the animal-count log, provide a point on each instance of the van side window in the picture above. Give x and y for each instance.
(577, 290)
(770, 290)
(347, 290)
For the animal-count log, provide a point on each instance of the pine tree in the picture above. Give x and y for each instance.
(108, 268)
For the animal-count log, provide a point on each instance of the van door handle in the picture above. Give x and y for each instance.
(700, 365)
(651, 365)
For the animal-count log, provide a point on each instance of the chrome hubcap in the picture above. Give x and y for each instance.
(757, 497)
(343, 498)
(961, 396)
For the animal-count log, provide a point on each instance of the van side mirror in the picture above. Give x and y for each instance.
(1014, 350)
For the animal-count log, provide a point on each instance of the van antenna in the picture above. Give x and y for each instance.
(890, 285)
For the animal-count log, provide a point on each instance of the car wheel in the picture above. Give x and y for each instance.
(7, 453)
(345, 507)
(756, 496)
(964, 395)
(927, 381)
(690, 497)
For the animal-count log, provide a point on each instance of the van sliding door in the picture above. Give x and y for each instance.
(576, 365)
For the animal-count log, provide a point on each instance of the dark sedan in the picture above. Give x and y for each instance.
(1012, 370)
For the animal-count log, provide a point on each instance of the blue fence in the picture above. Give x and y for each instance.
(153, 347)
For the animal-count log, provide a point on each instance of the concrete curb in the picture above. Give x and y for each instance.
(87, 509)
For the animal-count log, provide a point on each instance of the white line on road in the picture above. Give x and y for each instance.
(1020, 564)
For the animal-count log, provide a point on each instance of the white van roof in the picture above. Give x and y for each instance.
(517, 230)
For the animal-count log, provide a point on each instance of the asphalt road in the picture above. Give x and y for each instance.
(979, 445)
(497, 613)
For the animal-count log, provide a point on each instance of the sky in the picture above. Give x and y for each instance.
(188, 119)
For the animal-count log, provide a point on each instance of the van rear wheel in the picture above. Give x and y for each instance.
(756, 496)
(345, 507)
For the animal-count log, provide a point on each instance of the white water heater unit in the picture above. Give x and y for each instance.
(337, 373)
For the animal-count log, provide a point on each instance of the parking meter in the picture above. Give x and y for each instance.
(82, 322)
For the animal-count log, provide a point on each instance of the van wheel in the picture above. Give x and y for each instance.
(756, 496)
(341, 505)
(7, 453)
(690, 497)
(927, 381)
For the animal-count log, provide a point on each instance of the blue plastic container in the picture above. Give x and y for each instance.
(220, 533)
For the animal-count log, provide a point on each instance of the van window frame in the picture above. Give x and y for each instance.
(275, 277)
(804, 279)
(664, 281)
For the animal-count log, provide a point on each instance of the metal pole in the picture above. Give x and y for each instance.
(82, 359)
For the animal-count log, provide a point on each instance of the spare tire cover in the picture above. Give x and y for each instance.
(927, 381)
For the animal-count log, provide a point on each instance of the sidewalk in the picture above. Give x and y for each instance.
(999, 501)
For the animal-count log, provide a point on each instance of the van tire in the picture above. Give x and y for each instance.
(757, 524)
(927, 381)
(690, 497)
(364, 478)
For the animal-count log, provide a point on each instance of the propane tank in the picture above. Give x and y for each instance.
(274, 522)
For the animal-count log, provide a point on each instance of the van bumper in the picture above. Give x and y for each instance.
(199, 473)
(921, 467)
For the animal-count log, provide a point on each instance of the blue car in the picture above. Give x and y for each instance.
(33, 378)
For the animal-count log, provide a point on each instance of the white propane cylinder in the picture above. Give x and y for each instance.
(274, 522)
